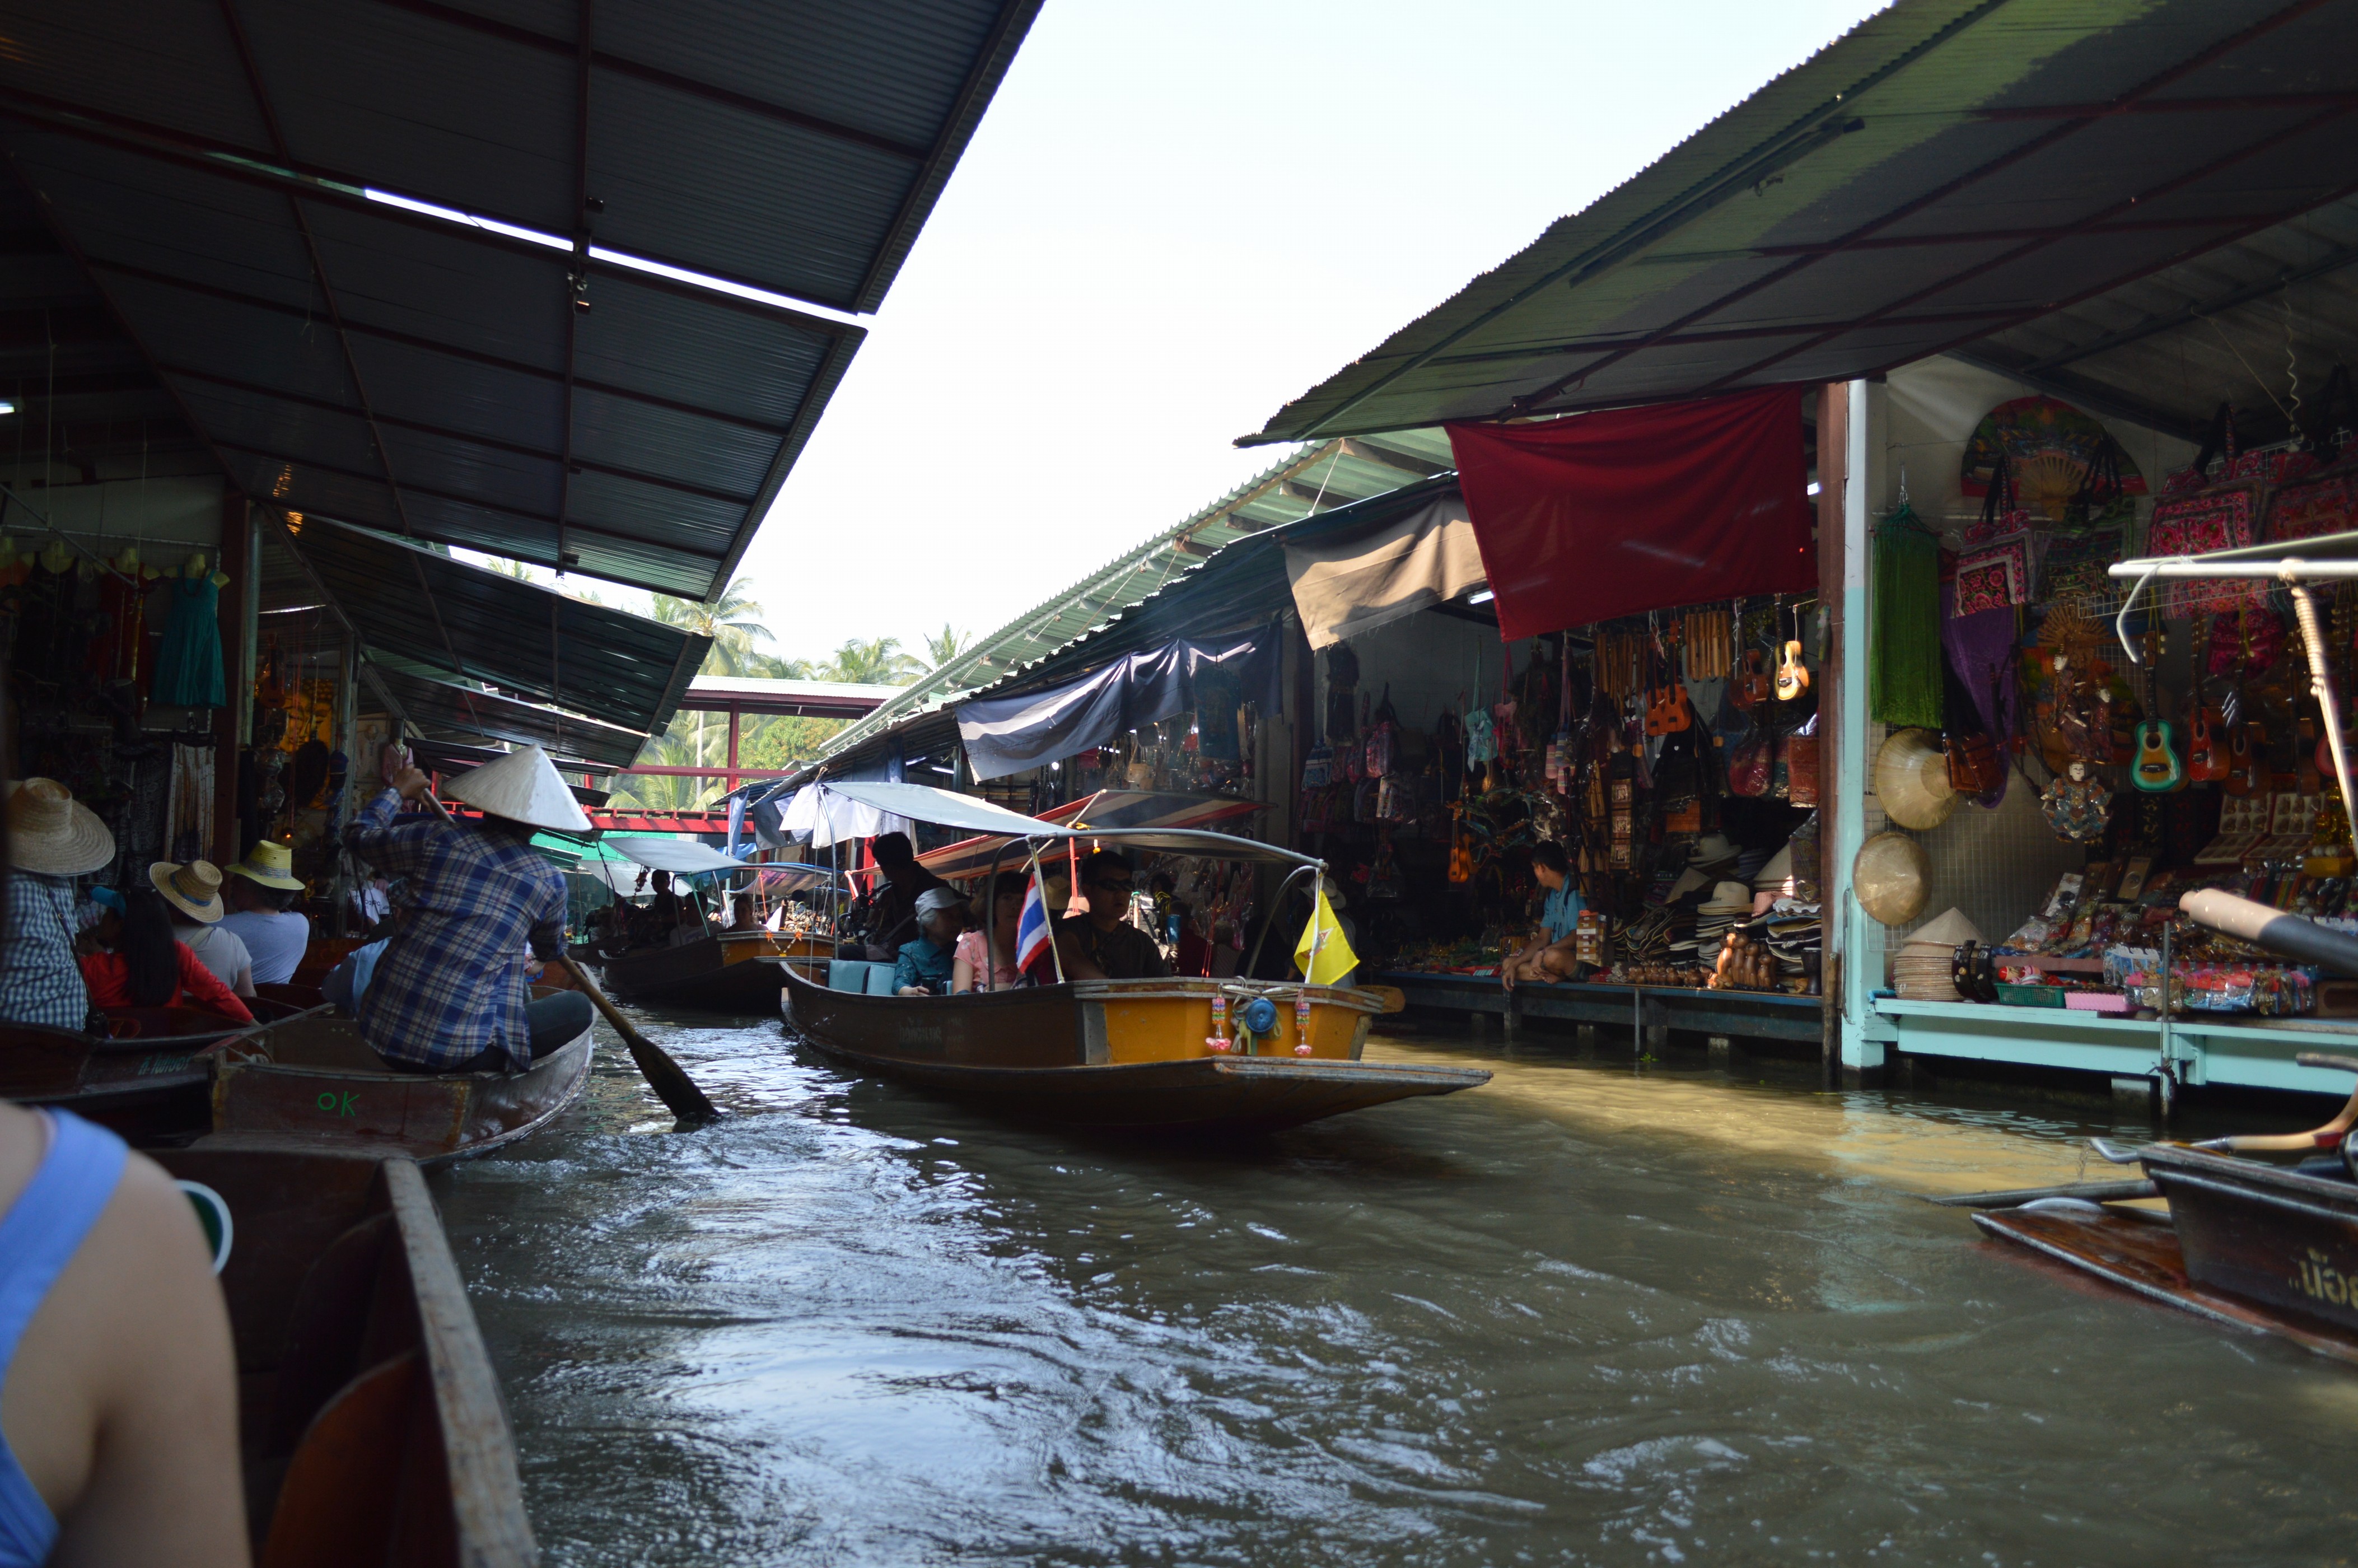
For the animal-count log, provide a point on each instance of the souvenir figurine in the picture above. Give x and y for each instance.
(2077, 807)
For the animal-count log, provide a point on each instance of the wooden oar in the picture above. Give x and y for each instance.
(672, 1085)
(2092, 1192)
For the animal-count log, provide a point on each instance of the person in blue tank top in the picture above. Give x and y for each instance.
(1553, 953)
(118, 1410)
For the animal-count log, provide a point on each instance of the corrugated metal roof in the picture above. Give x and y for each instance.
(210, 168)
(480, 625)
(443, 709)
(1320, 478)
(1950, 170)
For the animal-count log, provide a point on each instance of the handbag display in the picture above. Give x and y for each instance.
(2195, 516)
(1975, 767)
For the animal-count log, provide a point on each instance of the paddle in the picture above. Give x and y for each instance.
(2092, 1192)
(672, 1085)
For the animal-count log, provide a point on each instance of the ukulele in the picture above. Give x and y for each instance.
(2155, 767)
(2206, 752)
(1751, 681)
(1792, 677)
(2243, 764)
(1667, 709)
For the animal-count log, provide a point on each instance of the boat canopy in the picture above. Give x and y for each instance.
(680, 857)
(945, 808)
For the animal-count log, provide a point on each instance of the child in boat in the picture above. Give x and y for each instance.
(924, 966)
(141, 964)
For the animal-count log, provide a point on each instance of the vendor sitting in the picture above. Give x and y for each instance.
(924, 966)
(1552, 955)
(450, 993)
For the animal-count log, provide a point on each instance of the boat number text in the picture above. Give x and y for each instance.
(336, 1104)
(2319, 1281)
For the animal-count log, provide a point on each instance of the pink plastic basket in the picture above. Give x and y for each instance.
(2098, 1001)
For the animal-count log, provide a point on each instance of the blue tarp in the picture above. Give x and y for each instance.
(1009, 734)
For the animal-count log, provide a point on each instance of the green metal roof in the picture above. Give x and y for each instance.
(1948, 173)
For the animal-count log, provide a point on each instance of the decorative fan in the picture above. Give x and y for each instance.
(2051, 449)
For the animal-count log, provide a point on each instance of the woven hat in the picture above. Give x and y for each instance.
(522, 786)
(1945, 932)
(1888, 877)
(1711, 849)
(1912, 776)
(1728, 898)
(1776, 870)
(194, 888)
(52, 833)
(271, 864)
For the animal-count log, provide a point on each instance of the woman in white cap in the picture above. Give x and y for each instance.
(193, 891)
(52, 839)
(924, 968)
(450, 993)
(262, 889)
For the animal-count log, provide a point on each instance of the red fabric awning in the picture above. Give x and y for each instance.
(1636, 509)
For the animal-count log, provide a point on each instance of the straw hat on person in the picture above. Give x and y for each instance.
(271, 864)
(1912, 776)
(194, 888)
(522, 786)
(52, 833)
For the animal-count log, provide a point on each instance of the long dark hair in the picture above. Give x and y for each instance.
(150, 951)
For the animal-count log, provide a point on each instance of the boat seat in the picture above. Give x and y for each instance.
(854, 975)
(879, 980)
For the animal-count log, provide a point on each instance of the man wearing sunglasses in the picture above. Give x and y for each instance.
(1107, 939)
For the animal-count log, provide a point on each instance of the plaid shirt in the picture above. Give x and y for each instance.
(452, 984)
(40, 981)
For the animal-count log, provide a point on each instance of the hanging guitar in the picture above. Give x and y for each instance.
(1667, 710)
(2155, 768)
(2206, 743)
(1793, 676)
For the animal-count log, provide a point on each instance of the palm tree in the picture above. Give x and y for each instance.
(732, 621)
(873, 661)
(941, 649)
(663, 792)
(777, 666)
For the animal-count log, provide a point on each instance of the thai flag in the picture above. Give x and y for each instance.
(1031, 938)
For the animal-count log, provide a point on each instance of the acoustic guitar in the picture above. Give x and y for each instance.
(2206, 747)
(1793, 676)
(1751, 685)
(2242, 762)
(1668, 710)
(2155, 768)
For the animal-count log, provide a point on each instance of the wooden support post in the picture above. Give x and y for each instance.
(736, 712)
(1836, 781)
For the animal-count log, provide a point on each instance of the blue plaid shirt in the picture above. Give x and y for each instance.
(451, 984)
(39, 980)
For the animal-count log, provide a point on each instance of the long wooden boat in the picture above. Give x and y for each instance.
(146, 1080)
(371, 1420)
(2246, 1243)
(1120, 1053)
(714, 974)
(313, 1083)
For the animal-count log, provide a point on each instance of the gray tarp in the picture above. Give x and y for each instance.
(1008, 734)
(1349, 585)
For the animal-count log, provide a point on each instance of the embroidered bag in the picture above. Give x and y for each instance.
(2190, 521)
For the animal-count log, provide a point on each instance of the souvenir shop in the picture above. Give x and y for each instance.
(2055, 760)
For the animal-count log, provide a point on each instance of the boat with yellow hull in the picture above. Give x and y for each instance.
(1126, 1054)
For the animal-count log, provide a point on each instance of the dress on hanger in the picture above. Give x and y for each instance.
(188, 667)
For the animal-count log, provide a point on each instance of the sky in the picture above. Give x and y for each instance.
(1175, 219)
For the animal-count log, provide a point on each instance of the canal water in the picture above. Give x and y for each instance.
(1596, 1311)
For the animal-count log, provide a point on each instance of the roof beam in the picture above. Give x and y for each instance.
(2332, 261)
(1318, 498)
(2174, 106)
(1368, 451)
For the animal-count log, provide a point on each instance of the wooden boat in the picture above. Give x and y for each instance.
(370, 1415)
(147, 1081)
(313, 1083)
(714, 974)
(1127, 1053)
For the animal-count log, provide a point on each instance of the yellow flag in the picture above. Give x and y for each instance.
(1324, 955)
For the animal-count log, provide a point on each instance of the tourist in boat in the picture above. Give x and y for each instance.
(194, 894)
(450, 994)
(120, 1411)
(926, 965)
(743, 917)
(893, 911)
(371, 904)
(985, 957)
(139, 963)
(262, 889)
(1107, 940)
(661, 917)
(52, 838)
(1554, 954)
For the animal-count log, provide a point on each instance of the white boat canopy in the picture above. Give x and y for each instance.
(680, 857)
(946, 808)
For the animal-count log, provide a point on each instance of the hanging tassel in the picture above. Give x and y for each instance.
(1903, 677)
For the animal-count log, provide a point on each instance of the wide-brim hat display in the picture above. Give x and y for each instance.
(52, 833)
(1711, 849)
(194, 888)
(1912, 778)
(522, 786)
(270, 864)
(1776, 870)
(1889, 877)
(1728, 898)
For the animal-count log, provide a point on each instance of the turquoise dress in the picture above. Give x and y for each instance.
(188, 667)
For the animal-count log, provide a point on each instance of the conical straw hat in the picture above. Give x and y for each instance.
(1888, 878)
(52, 833)
(522, 786)
(1912, 776)
(1948, 930)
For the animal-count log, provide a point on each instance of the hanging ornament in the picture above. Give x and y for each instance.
(2077, 807)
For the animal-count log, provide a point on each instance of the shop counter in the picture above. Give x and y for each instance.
(2244, 1051)
(1758, 1014)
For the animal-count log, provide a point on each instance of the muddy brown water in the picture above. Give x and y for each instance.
(1598, 1311)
